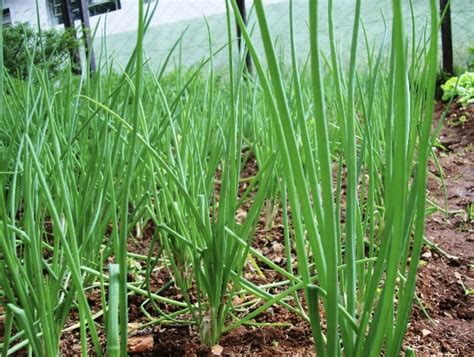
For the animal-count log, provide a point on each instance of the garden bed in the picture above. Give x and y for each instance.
(131, 200)
(444, 278)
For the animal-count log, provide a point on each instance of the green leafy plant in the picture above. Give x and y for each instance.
(470, 59)
(461, 87)
(50, 49)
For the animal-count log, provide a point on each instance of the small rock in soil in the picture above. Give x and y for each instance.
(217, 350)
(140, 344)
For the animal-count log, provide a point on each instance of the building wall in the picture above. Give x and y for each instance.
(25, 11)
(125, 19)
(168, 11)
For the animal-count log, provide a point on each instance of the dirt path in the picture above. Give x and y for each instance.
(446, 283)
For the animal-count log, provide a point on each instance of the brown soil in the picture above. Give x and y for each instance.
(444, 279)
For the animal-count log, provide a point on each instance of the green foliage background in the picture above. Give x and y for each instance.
(51, 49)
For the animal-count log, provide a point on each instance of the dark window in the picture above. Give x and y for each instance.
(7, 20)
(96, 7)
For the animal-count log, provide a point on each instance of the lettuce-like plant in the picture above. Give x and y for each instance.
(462, 87)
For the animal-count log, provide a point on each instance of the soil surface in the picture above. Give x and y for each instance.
(445, 280)
(446, 277)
